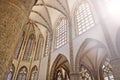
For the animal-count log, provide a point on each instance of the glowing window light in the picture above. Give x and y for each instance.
(113, 7)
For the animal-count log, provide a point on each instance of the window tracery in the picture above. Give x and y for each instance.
(29, 47)
(61, 33)
(84, 18)
(22, 74)
(39, 47)
(107, 70)
(84, 73)
(34, 73)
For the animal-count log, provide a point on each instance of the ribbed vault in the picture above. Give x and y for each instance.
(45, 13)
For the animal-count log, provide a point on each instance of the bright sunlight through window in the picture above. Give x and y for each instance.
(113, 7)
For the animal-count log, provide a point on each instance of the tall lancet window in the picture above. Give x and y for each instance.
(84, 18)
(22, 74)
(10, 75)
(29, 47)
(19, 46)
(107, 70)
(61, 33)
(39, 48)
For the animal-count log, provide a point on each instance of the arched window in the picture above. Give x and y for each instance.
(29, 47)
(39, 47)
(84, 18)
(34, 73)
(84, 73)
(22, 74)
(10, 75)
(61, 33)
(19, 46)
(60, 69)
(107, 70)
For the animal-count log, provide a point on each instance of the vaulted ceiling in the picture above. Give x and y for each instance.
(46, 12)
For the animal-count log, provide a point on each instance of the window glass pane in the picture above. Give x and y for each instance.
(84, 18)
(61, 33)
(107, 70)
(22, 74)
(34, 74)
(84, 73)
(39, 48)
(29, 47)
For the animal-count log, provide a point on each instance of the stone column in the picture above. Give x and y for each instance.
(13, 15)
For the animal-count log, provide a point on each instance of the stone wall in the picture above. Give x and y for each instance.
(14, 14)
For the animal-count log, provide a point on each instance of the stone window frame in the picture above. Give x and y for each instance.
(39, 47)
(87, 21)
(23, 72)
(61, 32)
(33, 73)
(85, 73)
(29, 47)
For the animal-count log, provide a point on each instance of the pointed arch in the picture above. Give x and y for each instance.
(22, 73)
(84, 45)
(34, 73)
(90, 53)
(60, 67)
(61, 32)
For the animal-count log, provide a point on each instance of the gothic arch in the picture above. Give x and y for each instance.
(90, 53)
(39, 47)
(34, 73)
(60, 63)
(22, 73)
